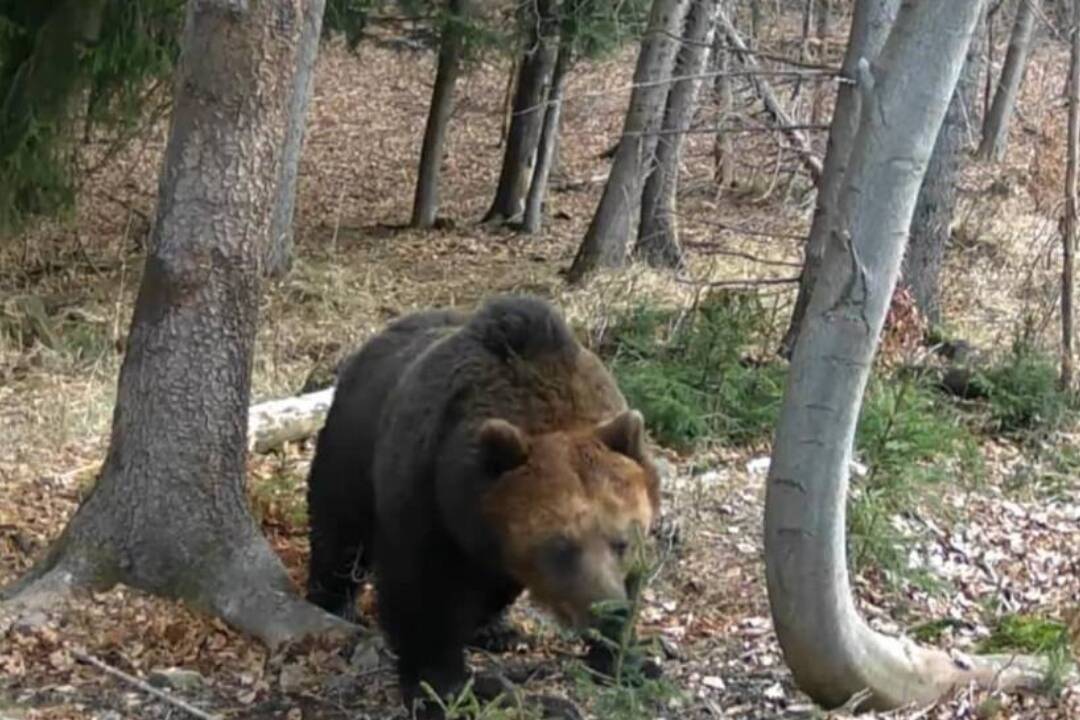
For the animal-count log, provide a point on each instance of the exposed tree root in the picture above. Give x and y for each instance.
(31, 597)
(896, 672)
(252, 594)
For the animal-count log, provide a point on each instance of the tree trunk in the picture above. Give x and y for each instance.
(833, 654)
(168, 514)
(1068, 238)
(279, 251)
(658, 235)
(605, 243)
(426, 200)
(996, 124)
(971, 80)
(723, 149)
(549, 139)
(870, 25)
(523, 137)
(933, 216)
(824, 12)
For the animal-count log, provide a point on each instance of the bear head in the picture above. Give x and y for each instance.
(567, 508)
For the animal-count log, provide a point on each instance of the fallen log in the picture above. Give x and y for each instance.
(273, 423)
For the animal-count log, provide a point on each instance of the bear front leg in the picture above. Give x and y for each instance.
(442, 669)
(333, 571)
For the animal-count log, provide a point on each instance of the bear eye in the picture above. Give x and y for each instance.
(619, 547)
(563, 552)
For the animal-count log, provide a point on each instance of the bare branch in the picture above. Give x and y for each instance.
(144, 686)
(772, 103)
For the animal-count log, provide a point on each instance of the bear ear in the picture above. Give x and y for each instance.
(503, 446)
(625, 434)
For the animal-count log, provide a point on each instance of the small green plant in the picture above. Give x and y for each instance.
(629, 692)
(467, 706)
(686, 373)
(932, 631)
(1034, 635)
(1025, 633)
(624, 701)
(910, 439)
(1024, 396)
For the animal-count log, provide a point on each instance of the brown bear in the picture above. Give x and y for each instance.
(468, 458)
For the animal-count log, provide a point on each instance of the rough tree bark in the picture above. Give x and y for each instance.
(658, 234)
(451, 45)
(870, 25)
(833, 653)
(279, 251)
(547, 147)
(933, 216)
(821, 31)
(1068, 225)
(723, 148)
(995, 130)
(534, 79)
(168, 513)
(605, 243)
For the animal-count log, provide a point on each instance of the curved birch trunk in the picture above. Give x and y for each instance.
(870, 25)
(833, 653)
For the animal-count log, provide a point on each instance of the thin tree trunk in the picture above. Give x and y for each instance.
(991, 16)
(658, 234)
(548, 145)
(870, 25)
(824, 13)
(832, 652)
(527, 122)
(723, 150)
(279, 251)
(508, 99)
(756, 21)
(804, 48)
(971, 80)
(933, 216)
(426, 200)
(996, 124)
(1069, 221)
(168, 513)
(605, 243)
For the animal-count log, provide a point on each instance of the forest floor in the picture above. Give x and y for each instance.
(1007, 543)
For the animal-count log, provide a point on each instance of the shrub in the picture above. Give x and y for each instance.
(686, 372)
(1024, 397)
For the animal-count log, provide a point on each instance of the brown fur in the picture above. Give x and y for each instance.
(485, 454)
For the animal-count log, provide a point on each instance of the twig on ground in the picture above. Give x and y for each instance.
(143, 685)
